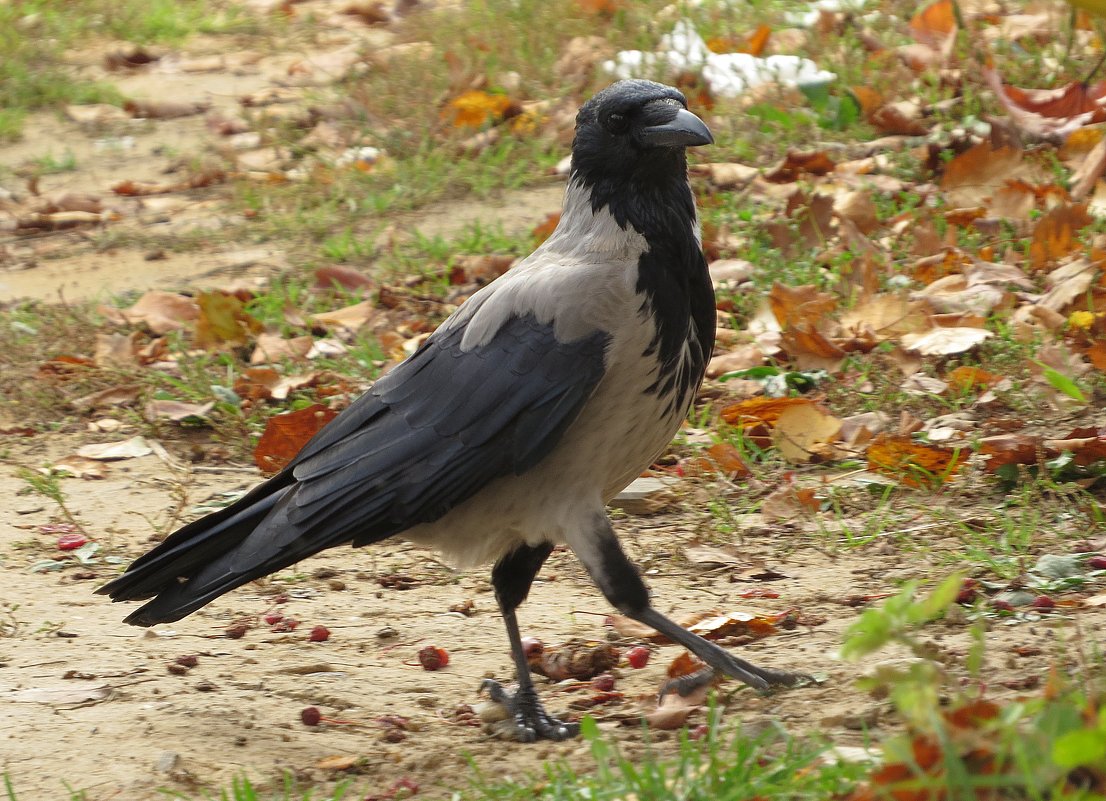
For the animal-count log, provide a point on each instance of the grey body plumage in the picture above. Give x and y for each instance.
(528, 409)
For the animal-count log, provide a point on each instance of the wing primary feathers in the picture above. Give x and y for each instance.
(428, 436)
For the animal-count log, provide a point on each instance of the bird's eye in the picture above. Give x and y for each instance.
(617, 123)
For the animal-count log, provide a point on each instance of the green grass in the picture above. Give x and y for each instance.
(36, 35)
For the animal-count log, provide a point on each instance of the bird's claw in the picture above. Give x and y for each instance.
(764, 679)
(528, 719)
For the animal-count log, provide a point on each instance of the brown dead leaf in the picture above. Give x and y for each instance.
(915, 464)
(271, 348)
(113, 396)
(789, 502)
(223, 321)
(966, 378)
(286, 434)
(145, 188)
(337, 762)
(760, 411)
(117, 350)
(177, 411)
(903, 117)
(740, 358)
(793, 305)
(543, 230)
(1051, 113)
(161, 312)
(110, 451)
(727, 175)
(721, 458)
(798, 163)
(803, 433)
(336, 275)
(974, 176)
(1004, 449)
(350, 317)
(886, 316)
(942, 341)
(476, 109)
(81, 467)
(1054, 235)
(809, 349)
(164, 109)
(934, 23)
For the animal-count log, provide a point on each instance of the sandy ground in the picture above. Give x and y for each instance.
(88, 702)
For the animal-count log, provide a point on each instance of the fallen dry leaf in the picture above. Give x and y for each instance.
(223, 321)
(942, 341)
(803, 433)
(176, 411)
(110, 451)
(1055, 234)
(286, 434)
(161, 312)
(916, 464)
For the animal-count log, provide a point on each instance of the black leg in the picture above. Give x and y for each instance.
(621, 583)
(512, 577)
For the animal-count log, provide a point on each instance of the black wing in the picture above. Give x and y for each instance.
(426, 437)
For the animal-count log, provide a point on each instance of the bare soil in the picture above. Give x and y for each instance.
(125, 726)
(88, 702)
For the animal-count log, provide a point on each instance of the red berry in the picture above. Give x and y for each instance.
(273, 618)
(638, 656)
(319, 634)
(285, 625)
(1002, 606)
(1097, 562)
(311, 716)
(1044, 603)
(603, 683)
(966, 596)
(236, 631)
(532, 647)
(71, 542)
(433, 658)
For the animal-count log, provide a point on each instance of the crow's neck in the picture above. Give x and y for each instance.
(655, 201)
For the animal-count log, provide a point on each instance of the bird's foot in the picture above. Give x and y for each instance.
(528, 721)
(767, 678)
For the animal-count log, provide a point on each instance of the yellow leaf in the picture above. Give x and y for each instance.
(1097, 7)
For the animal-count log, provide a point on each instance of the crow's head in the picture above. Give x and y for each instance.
(633, 126)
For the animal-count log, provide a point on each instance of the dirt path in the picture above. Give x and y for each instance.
(88, 702)
(124, 725)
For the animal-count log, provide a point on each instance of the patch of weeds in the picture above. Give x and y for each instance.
(36, 34)
(959, 744)
(48, 485)
(54, 165)
(722, 764)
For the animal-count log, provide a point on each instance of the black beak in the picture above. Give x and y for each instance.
(683, 130)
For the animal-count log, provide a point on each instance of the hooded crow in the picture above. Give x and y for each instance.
(520, 417)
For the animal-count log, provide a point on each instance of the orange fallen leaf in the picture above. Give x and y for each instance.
(803, 433)
(934, 23)
(760, 411)
(286, 434)
(792, 305)
(798, 163)
(543, 230)
(476, 108)
(1054, 235)
(965, 378)
(223, 321)
(1007, 449)
(916, 464)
